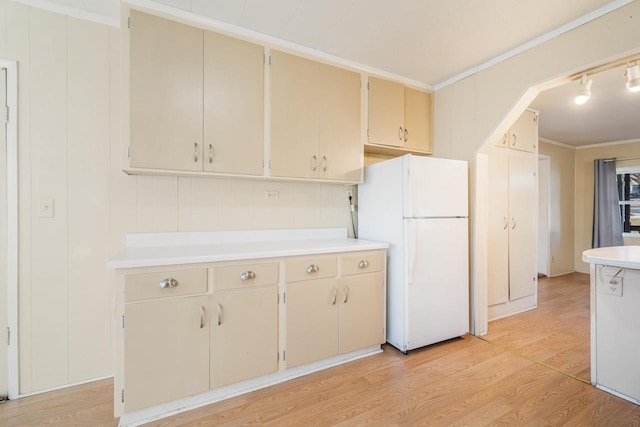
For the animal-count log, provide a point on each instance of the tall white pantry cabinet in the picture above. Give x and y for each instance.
(513, 219)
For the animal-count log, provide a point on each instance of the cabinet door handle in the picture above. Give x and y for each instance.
(334, 294)
(201, 317)
(195, 152)
(363, 264)
(400, 133)
(504, 139)
(219, 310)
(513, 221)
(406, 134)
(313, 268)
(323, 164)
(168, 283)
(506, 223)
(314, 163)
(247, 275)
(210, 153)
(346, 294)
(515, 138)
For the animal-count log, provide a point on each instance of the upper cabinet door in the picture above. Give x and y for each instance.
(340, 140)
(165, 94)
(417, 120)
(523, 135)
(294, 116)
(233, 105)
(386, 112)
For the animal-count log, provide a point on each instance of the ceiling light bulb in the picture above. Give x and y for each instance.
(633, 78)
(585, 90)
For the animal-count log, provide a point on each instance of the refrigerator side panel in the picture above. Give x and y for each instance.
(435, 187)
(438, 270)
(380, 219)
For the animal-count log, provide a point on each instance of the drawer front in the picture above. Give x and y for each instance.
(363, 262)
(164, 284)
(311, 268)
(245, 276)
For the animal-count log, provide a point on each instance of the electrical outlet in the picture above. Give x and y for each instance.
(271, 195)
(349, 195)
(614, 286)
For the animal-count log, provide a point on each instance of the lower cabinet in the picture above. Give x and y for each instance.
(312, 321)
(360, 326)
(197, 328)
(166, 350)
(244, 335)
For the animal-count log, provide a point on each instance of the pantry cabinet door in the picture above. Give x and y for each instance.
(165, 94)
(233, 105)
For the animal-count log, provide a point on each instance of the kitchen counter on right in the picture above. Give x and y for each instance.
(615, 320)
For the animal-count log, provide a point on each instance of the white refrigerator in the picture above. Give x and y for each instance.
(419, 205)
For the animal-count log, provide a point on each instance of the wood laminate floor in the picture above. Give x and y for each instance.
(558, 331)
(462, 382)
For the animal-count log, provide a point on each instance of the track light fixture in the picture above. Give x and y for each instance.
(585, 90)
(633, 77)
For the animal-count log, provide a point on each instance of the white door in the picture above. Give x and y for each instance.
(4, 378)
(438, 279)
(435, 187)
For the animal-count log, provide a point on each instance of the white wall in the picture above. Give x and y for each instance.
(69, 133)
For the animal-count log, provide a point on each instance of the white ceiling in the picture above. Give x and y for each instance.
(429, 41)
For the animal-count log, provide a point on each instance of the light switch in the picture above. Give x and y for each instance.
(47, 208)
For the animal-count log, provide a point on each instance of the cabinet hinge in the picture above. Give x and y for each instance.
(367, 133)
(278, 357)
(128, 22)
(8, 336)
(367, 85)
(284, 297)
(128, 152)
(122, 322)
(269, 59)
(6, 114)
(284, 355)
(122, 396)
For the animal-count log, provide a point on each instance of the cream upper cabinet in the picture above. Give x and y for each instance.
(196, 99)
(399, 117)
(166, 350)
(244, 334)
(386, 112)
(315, 120)
(165, 94)
(523, 135)
(360, 326)
(233, 105)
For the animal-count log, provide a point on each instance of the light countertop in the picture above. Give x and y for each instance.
(154, 249)
(615, 256)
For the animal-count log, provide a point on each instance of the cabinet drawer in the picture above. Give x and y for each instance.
(362, 262)
(244, 276)
(311, 268)
(164, 284)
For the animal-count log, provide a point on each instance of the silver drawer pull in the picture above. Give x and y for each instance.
(363, 264)
(247, 275)
(346, 294)
(219, 307)
(313, 268)
(168, 283)
(334, 294)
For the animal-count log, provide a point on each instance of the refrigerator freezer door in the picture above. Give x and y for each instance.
(438, 280)
(435, 187)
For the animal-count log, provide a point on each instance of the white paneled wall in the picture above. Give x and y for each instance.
(69, 148)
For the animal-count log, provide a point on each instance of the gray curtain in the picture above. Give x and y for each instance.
(607, 222)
